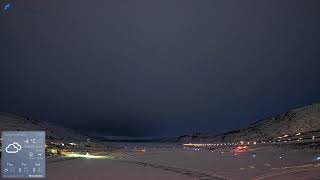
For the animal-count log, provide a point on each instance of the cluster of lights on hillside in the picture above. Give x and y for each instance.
(285, 138)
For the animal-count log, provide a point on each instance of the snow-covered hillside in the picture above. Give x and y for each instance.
(300, 120)
(10, 122)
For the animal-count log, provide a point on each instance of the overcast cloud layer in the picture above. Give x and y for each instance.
(158, 68)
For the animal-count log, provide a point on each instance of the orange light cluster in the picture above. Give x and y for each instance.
(240, 149)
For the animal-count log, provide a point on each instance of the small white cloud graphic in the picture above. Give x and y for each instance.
(13, 148)
(17, 145)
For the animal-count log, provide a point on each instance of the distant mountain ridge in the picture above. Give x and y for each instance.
(298, 120)
(135, 139)
(11, 122)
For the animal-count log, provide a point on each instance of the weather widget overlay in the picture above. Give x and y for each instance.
(23, 154)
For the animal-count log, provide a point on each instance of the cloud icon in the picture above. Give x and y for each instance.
(17, 145)
(13, 148)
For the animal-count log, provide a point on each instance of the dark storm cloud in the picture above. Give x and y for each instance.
(158, 67)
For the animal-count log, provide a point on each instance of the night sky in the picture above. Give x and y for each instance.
(158, 68)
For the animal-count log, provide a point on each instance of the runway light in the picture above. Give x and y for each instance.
(253, 155)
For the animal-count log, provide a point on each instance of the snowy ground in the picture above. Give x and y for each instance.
(175, 162)
(242, 166)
